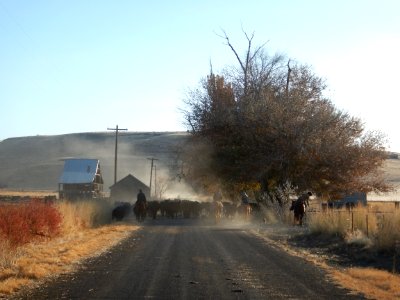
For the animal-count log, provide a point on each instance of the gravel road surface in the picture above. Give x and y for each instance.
(184, 259)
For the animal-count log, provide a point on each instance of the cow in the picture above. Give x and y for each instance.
(152, 208)
(229, 209)
(120, 211)
(171, 208)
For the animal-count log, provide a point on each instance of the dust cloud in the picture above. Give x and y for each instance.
(134, 151)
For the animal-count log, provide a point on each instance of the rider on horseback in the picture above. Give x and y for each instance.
(299, 207)
(245, 198)
(141, 198)
(245, 206)
(140, 206)
(304, 199)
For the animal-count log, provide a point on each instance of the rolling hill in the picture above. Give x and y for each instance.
(36, 162)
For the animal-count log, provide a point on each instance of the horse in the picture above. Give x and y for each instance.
(140, 210)
(299, 210)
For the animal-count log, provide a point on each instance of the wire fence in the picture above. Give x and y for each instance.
(379, 223)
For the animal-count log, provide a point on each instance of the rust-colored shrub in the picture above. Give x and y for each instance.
(22, 223)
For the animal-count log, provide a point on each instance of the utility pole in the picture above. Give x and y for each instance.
(155, 181)
(116, 129)
(151, 170)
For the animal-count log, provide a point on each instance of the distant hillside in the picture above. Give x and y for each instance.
(36, 162)
(392, 170)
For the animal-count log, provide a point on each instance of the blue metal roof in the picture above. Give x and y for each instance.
(78, 170)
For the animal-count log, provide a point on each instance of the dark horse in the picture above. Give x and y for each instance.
(299, 210)
(140, 210)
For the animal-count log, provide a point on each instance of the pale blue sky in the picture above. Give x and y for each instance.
(80, 66)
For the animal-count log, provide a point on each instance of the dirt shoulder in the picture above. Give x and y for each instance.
(352, 265)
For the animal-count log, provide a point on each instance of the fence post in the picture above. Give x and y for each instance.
(396, 252)
(352, 222)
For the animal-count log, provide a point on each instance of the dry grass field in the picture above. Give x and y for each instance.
(373, 283)
(19, 193)
(27, 193)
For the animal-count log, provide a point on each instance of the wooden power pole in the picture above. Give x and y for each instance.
(151, 171)
(155, 181)
(116, 129)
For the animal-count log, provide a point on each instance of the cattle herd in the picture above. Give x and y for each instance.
(177, 208)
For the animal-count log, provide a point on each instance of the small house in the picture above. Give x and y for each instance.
(81, 178)
(127, 189)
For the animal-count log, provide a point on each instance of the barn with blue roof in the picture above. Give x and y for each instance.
(80, 179)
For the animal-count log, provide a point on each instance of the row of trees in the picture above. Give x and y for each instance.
(265, 125)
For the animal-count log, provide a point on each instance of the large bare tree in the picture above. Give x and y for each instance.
(265, 122)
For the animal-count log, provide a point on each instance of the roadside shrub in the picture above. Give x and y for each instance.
(24, 222)
(274, 213)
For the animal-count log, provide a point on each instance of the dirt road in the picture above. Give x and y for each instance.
(180, 259)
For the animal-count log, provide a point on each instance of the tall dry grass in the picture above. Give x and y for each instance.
(89, 213)
(381, 230)
(388, 231)
(328, 222)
